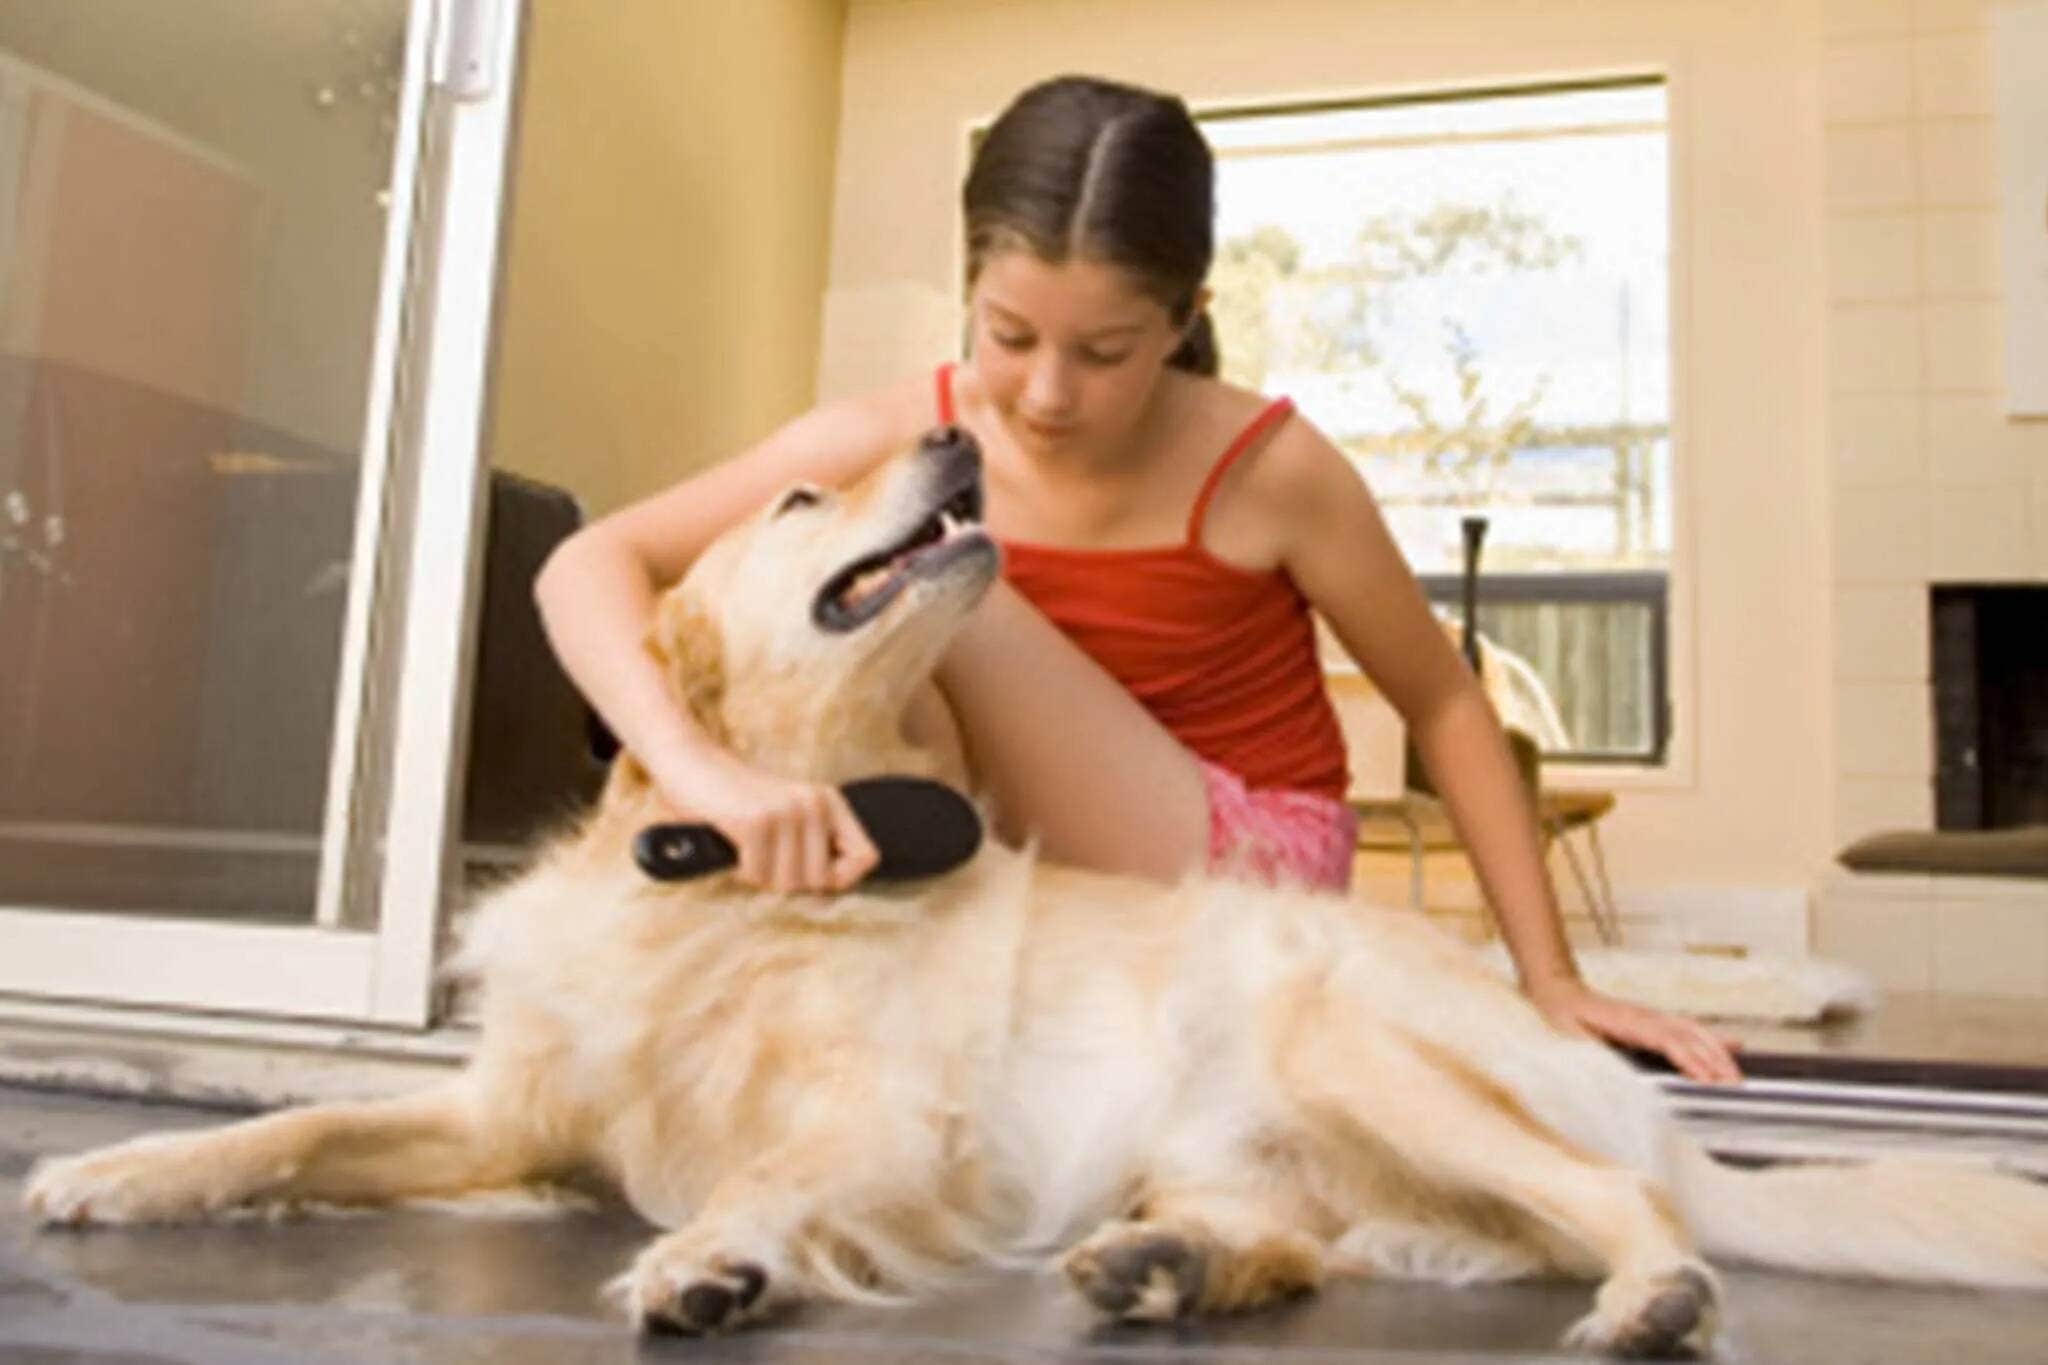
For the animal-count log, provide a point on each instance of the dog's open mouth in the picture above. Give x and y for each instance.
(858, 593)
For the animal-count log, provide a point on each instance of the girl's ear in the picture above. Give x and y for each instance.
(1198, 314)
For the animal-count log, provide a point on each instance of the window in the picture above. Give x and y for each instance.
(1470, 294)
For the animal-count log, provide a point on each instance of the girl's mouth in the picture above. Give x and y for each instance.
(1048, 431)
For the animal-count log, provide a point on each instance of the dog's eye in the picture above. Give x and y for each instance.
(798, 497)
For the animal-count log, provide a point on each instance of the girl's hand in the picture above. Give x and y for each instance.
(1699, 1053)
(791, 836)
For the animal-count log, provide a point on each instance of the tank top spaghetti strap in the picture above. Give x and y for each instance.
(1223, 656)
(1268, 417)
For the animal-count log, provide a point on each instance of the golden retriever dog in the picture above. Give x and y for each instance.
(1198, 1098)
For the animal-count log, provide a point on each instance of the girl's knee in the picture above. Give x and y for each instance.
(929, 723)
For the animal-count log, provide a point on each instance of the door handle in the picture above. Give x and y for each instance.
(468, 68)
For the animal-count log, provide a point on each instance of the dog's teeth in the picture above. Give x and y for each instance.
(948, 524)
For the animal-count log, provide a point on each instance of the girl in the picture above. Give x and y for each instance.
(1142, 691)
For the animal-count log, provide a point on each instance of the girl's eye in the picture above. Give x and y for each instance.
(797, 497)
(1103, 359)
(1010, 342)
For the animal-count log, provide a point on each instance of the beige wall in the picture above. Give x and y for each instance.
(1933, 483)
(666, 252)
(1747, 805)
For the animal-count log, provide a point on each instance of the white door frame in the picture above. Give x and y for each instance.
(422, 823)
(402, 700)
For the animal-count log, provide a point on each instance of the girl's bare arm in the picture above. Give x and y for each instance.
(596, 595)
(1338, 550)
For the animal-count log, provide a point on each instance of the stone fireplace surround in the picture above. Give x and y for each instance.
(1930, 478)
(1934, 919)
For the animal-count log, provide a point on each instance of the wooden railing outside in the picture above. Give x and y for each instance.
(1601, 644)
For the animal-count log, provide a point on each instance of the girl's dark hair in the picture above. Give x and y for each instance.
(1083, 167)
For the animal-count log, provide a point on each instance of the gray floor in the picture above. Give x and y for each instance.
(421, 1287)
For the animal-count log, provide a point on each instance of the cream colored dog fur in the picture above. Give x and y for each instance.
(1199, 1098)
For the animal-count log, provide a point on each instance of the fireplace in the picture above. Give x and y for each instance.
(1990, 666)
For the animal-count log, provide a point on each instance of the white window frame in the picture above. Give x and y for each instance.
(1679, 768)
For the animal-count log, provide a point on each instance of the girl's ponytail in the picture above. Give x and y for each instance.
(1198, 352)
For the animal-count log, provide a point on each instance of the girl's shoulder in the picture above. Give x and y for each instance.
(842, 438)
(1207, 419)
(1286, 459)
(1277, 440)
(897, 413)
(837, 442)
(1220, 401)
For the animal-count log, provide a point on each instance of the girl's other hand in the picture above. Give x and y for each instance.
(1696, 1051)
(792, 837)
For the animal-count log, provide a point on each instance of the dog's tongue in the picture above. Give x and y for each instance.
(937, 531)
(869, 583)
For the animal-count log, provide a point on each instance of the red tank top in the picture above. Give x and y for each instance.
(1223, 657)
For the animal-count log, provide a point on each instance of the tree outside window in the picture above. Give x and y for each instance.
(1469, 294)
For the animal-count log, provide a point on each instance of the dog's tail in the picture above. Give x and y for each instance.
(1932, 1222)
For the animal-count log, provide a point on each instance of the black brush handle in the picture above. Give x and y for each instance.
(921, 828)
(674, 852)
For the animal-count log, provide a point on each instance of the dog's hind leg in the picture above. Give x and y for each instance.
(1453, 1126)
(414, 1146)
(1196, 1249)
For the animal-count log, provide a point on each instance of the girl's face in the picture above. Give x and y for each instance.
(1068, 354)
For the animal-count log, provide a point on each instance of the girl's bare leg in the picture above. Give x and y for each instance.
(1061, 750)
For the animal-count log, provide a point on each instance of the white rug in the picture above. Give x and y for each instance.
(1762, 987)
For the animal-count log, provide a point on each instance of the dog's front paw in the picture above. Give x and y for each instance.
(670, 1289)
(148, 1180)
(1668, 1315)
(1138, 1273)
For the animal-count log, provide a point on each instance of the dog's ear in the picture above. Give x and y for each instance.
(624, 783)
(685, 642)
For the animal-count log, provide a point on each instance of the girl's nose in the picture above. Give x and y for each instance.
(1048, 389)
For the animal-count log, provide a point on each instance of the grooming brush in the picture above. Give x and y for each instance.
(920, 828)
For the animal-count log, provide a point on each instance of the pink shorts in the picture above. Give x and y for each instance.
(1278, 836)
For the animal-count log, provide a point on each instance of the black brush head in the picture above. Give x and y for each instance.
(920, 827)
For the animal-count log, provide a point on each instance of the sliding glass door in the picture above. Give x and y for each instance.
(246, 266)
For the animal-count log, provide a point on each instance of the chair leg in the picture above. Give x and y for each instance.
(1416, 854)
(1610, 930)
(1599, 899)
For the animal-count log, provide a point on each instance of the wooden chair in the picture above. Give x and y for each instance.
(1397, 812)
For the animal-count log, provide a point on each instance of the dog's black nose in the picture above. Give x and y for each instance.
(950, 438)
